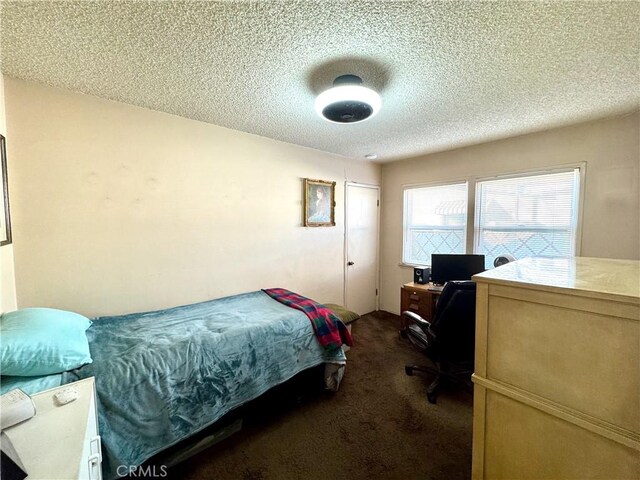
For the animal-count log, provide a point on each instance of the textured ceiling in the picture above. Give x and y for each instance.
(450, 73)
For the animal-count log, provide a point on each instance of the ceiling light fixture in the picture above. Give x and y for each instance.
(371, 156)
(348, 101)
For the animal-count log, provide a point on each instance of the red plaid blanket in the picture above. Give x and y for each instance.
(329, 329)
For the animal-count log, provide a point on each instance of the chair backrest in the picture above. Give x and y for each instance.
(454, 321)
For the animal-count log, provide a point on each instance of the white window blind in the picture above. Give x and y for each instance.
(534, 215)
(435, 220)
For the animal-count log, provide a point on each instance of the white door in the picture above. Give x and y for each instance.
(361, 245)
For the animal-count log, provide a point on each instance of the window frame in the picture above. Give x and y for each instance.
(405, 216)
(472, 214)
(578, 199)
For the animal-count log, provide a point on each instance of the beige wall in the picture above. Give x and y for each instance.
(611, 214)
(118, 208)
(7, 277)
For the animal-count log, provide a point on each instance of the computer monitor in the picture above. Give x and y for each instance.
(446, 267)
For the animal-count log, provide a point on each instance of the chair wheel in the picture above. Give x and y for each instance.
(432, 398)
(403, 334)
(408, 370)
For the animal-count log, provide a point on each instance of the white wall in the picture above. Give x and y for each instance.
(611, 218)
(119, 209)
(7, 276)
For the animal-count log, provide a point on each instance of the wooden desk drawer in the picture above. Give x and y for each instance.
(412, 296)
(420, 302)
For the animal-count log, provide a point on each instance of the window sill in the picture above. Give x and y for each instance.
(411, 265)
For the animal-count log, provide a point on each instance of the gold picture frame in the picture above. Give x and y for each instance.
(319, 203)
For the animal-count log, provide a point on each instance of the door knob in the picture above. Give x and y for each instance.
(349, 263)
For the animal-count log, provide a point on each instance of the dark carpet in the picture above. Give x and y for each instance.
(379, 425)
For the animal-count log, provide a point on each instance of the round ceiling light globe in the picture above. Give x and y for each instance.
(348, 104)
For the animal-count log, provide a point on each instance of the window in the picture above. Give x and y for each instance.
(435, 221)
(527, 215)
(534, 215)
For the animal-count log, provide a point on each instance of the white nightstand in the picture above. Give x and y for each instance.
(61, 442)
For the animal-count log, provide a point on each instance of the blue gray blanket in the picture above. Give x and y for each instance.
(163, 376)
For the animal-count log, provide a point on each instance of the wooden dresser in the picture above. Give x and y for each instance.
(557, 370)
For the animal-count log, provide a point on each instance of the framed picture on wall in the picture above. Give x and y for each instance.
(5, 219)
(319, 203)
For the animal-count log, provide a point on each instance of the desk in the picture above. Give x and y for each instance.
(418, 299)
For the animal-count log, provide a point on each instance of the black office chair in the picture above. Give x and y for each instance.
(449, 340)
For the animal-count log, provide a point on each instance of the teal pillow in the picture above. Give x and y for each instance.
(42, 341)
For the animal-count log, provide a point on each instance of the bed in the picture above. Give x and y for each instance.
(163, 376)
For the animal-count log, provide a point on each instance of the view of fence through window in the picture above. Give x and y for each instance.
(435, 221)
